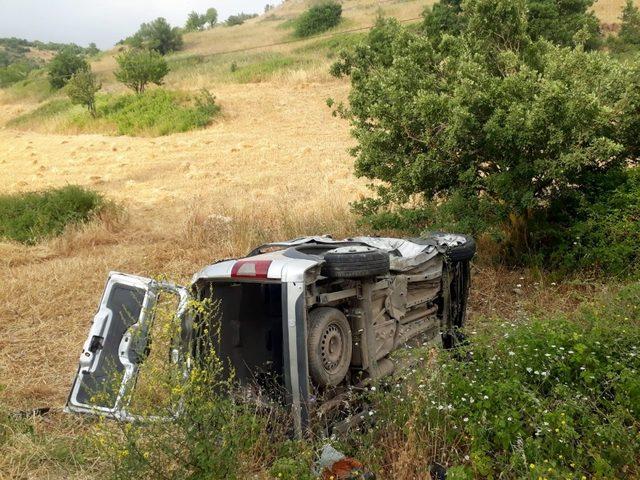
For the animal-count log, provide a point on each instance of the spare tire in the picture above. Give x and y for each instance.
(458, 247)
(355, 262)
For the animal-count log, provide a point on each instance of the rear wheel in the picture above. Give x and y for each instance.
(329, 346)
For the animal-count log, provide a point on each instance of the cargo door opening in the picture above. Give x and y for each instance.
(245, 330)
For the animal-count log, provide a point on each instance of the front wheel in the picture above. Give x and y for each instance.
(458, 247)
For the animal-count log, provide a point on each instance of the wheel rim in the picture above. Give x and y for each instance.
(332, 347)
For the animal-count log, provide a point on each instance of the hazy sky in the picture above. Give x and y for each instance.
(103, 22)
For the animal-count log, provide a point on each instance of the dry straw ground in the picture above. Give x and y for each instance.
(275, 165)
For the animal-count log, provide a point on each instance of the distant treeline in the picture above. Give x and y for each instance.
(15, 62)
(23, 45)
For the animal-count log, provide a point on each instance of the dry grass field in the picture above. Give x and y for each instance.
(274, 165)
(608, 11)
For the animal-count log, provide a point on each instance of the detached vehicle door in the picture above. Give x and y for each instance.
(119, 341)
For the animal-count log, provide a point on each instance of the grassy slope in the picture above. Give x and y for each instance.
(275, 166)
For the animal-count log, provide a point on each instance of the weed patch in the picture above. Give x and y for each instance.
(212, 436)
(34, 88)
(30, 217)
(251, 67)
(332, 45)
(265, 69)
(159, 112)
(154, 113)
(555, 398)
(32, 444)
(44, 113)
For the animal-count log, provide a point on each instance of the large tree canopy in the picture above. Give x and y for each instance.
(556, 20)
(157, 35)
(493, 126)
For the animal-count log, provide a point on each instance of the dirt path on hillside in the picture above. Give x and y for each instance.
(275, 164)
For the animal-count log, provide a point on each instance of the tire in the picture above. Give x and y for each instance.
(329, 343)
(355, 262)
(465, 250)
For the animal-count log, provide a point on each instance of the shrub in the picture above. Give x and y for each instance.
(157, 35)
(30, 217)
(82, 89)
(491, 127)
(159, 112)
(211, 17)
(138, 68)
(195, 22)
(607, 239)
(630, 26)
(63, 66)
(14, 73)
(318, 19)
(206, 434)
(553, 398)
(239, 19)
(92, 50)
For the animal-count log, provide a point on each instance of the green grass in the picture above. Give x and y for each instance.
(180, 62)
(264, 69)
(156, 112)
(44, 113)
(34, 88)
(550, 398)
(287, 24)
(333, 45)
(31, 217)
(45, 446)
(250, 67)
(159, 112)
(554, 398)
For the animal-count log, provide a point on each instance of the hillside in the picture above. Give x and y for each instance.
(274, 165)
(257, 168)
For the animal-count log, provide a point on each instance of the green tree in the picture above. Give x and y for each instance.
(560, 20)
(64, 65)
(319, 18)
(82, 89)
(630, 27)
(138, 68)
(556, 20)
(92, 49)
(444, 17)
(15, 72)
(211, 17)
(489, 130)
(157, 35)
(195, 22)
